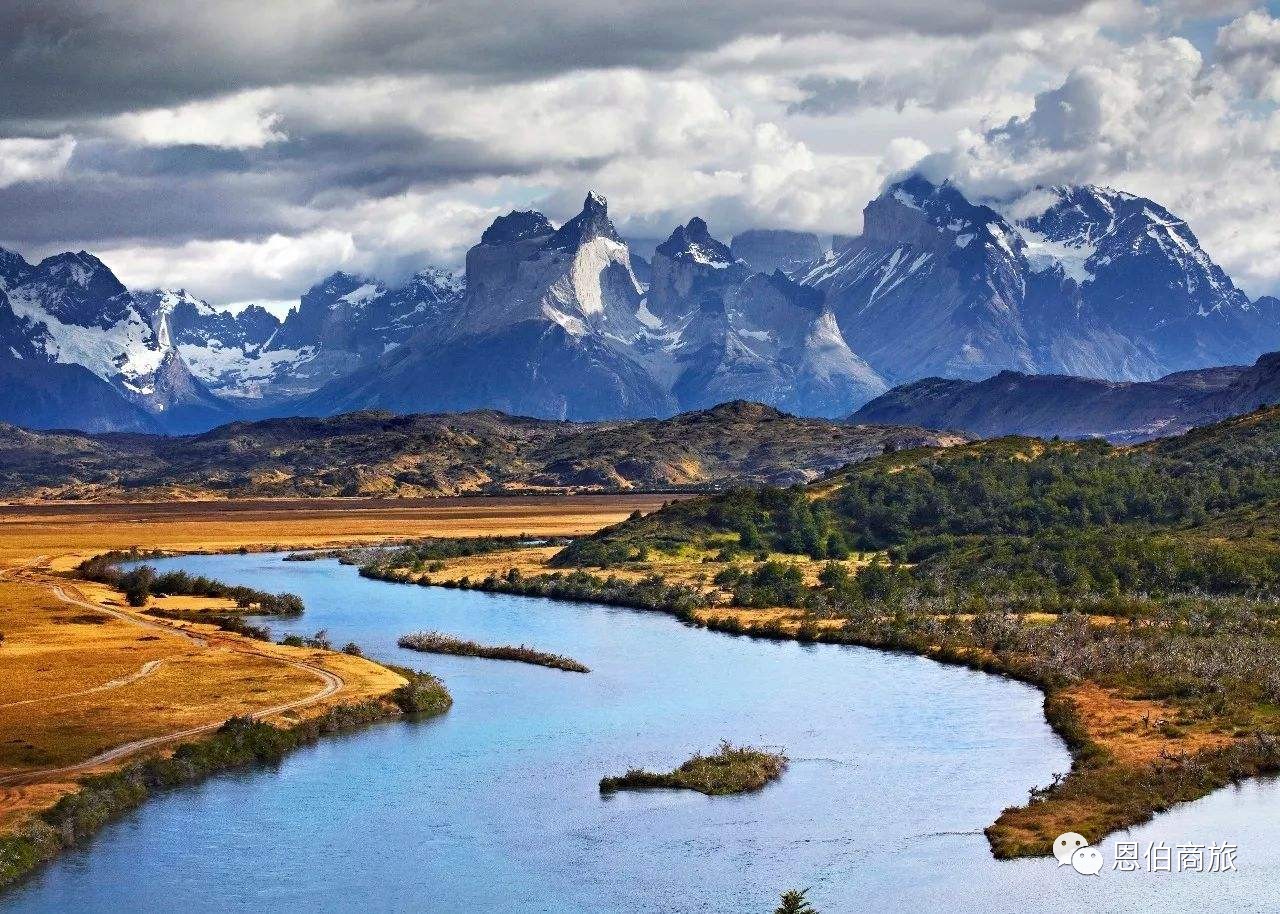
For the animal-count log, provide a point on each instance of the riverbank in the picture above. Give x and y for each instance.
(240, 742)
(90, 686)
(1136, 751)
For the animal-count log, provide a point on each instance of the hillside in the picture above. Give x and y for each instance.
(382, 454)
(1137, 586)
(1012, 403)
(930, 506)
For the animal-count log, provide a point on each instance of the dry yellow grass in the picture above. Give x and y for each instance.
(695, 567)
(76, 682)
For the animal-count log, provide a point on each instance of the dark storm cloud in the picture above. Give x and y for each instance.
(69, 59)
(107, 208)
(339, 137)
(113, 191)
(382, 162)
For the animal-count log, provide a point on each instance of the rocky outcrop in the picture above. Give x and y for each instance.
(767, 250)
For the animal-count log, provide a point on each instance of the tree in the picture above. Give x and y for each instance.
(834, 576)
(794, 902)
(837, 545)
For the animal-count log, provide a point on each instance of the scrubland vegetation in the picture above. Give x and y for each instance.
(139, 584)
(650, 592)
(730, 769)
(1142, 577)
(440, 643)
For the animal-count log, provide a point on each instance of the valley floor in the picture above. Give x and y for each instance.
(88, 685)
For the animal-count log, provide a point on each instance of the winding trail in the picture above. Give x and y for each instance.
(147, 669)
(333, 683)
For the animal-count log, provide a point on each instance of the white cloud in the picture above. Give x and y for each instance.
(274, 268)
(1248, 49)
(388, 238)
(792, 118)
(30, 159)
(241, 121)
(1157, 119)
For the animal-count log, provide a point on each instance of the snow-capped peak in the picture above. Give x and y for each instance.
(939, 218)
(693, 242)
(1102, 229)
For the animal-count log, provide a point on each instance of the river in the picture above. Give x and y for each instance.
(897, 765)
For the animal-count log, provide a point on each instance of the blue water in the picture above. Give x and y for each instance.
(897, 765)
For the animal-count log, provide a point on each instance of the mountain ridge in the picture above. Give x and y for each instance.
(1013, 403)
(568, 322)
(384, 454)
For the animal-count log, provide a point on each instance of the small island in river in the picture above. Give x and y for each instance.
(440, 643)
(731, 769)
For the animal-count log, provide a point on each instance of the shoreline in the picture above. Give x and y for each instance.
(1009, 836)
(1095, 798)
(40, 545)
(238, 742)
(77, 817)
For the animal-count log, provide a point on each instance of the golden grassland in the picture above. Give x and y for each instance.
(78, 681)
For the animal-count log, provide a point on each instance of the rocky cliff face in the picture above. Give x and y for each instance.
(555, 323)
(546, 328)
(933, 286)
(730, 333)
(767, 250)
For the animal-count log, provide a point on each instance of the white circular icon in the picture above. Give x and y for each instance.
(1087, 861)
(1067, 844)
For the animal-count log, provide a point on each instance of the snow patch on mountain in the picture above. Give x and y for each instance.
(127, 351)
(362, 295)
(1072, 257)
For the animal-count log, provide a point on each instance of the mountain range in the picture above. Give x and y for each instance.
(567, 322)
(1012, 403)
(384, 454)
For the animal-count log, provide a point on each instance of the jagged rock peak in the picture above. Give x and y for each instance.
(13, 268)
(917, 211)
(82, 270)
(694, 241)
(593, 222)
(517, 225)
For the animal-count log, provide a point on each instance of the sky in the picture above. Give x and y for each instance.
(243, 150)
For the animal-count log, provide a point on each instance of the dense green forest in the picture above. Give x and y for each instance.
(1013, 516)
